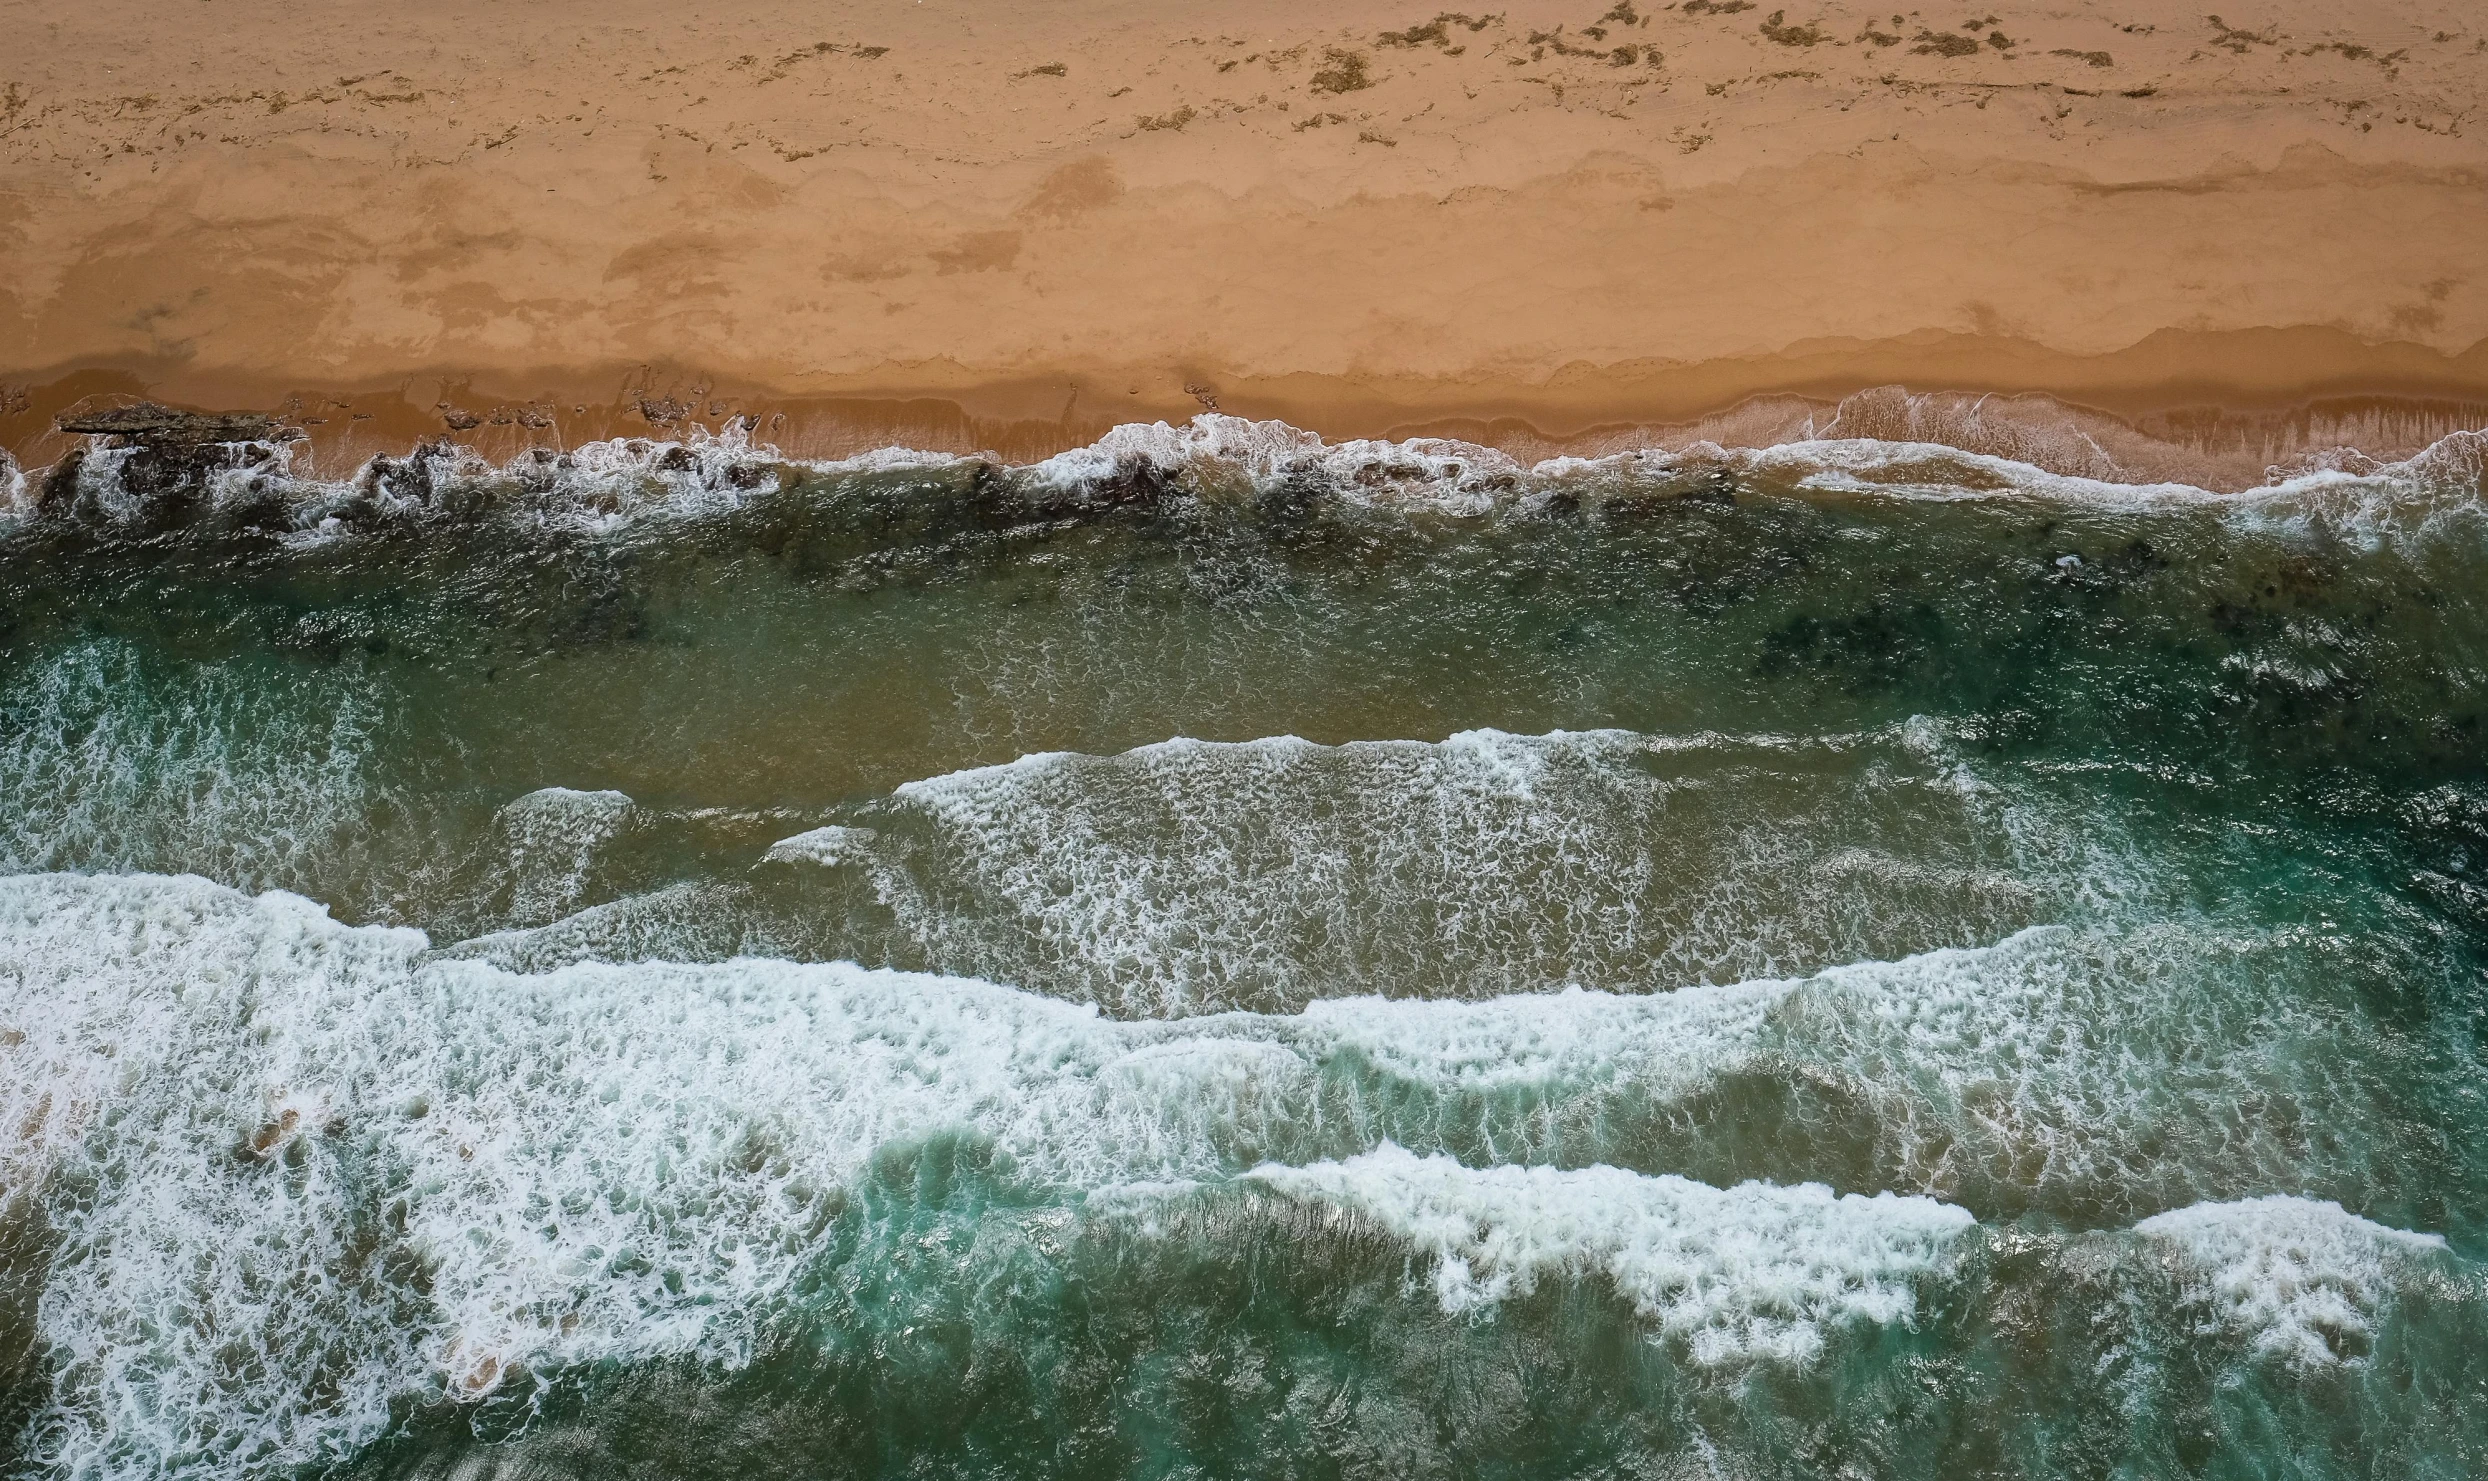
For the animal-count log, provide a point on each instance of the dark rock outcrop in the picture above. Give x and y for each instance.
(167, 460)
(148, 422)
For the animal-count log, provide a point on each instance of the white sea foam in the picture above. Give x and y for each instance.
(1190, 874)
(294, 1169)
(1933, 471)
(1456, 476)
(691, 920)
(601, 1162)
(2301, 1280)
(546, 842)
(1572, 1037)
(1461, 477)
(824, 846)
(614, 482)
(2086, 1068)
(16, 499)
(1737, 1274)
(611, 483)
(110, 761)
(202, 1293)
(703, 472)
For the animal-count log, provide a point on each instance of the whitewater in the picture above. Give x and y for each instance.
(1222, 953)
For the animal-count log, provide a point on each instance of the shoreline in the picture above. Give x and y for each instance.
(2215, 410)
(1565, 226)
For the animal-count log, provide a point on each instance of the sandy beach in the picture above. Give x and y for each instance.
(952, 225)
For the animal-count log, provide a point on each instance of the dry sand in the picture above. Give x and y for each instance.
(976, 224)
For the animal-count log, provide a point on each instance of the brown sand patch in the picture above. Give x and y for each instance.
(1358, 216)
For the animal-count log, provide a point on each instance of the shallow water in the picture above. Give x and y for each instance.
(1223, 955)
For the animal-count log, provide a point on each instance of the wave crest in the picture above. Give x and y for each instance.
(1740, 1274)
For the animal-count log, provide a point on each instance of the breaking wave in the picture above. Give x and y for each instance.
(2301, 1280)
(1743, 1273)
(1192, 874)
(297, 1175)
(1268, 468)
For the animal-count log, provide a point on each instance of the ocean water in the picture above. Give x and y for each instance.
(1225, 955)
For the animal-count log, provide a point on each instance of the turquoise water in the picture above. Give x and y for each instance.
(1225, 956)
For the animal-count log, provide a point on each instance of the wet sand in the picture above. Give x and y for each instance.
(1559, 226)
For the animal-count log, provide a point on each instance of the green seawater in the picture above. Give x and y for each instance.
(1228, 957)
